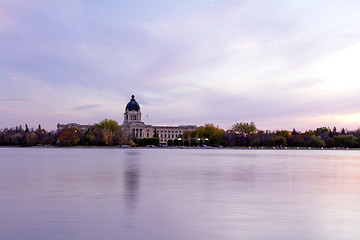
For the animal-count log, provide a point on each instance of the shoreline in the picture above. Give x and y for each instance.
(187, 148)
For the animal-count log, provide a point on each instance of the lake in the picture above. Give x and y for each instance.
(158, 194)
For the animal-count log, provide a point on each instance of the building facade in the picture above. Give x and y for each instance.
(82, 128)
(134, 127)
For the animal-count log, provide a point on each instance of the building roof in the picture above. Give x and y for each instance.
(132, 105)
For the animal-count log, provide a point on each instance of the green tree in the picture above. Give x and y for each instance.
(155, 135)
(330, 142)
(209, 133)
(315, 141)
(309, 133)
(276, 141)
(108, 129)
(322, 130)
(244, 128)
(89, 137)
(283, 133)
(346, 141)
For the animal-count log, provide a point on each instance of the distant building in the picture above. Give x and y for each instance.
(134, 127)
(82, 128)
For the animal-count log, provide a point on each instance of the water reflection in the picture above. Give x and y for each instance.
(131, 179)
(178, 194)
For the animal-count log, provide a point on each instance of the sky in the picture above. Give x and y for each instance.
(281, 64)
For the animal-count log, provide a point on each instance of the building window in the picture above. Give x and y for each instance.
(147, 134)
(161, 135)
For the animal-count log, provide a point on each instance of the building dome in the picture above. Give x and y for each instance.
(132, 105)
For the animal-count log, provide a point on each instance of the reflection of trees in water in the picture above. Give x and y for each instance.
(131, 180)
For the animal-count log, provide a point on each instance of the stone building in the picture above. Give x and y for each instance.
(82, 128)
(134, 127)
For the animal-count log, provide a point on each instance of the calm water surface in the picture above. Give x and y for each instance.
(167, 194)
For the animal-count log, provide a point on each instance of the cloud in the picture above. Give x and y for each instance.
(218, 61)
(87, 107)
(15, 100)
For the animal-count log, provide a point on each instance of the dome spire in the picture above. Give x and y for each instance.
(132, 105)
(132, 111)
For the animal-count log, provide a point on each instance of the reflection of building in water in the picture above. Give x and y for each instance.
(133, 126)
(131, 181)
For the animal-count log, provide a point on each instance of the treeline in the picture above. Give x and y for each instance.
(20, 136)
(105, 133)
(247, 135)
(108, 133)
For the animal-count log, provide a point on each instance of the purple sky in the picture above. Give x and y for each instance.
(282, 64)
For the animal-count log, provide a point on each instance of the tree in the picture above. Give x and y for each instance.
(244, 128)
(324, 133)
(283, 133)
(108, 129)
(343, 131)
(276, 141)
(69, 136)
(89, 137)
(208, 132)
(187, 138)
(131, 143)
(297, 141)
(315, 141)
(334, 132)
(321, 130)
(330, 142)
(31, 139)
(346, 141)
(309, 133)
(294, 132)
(156, 135)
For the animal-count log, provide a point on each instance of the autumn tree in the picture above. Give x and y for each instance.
(69, 136)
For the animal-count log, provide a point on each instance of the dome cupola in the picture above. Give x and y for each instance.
(132, 105)
(132, 112)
